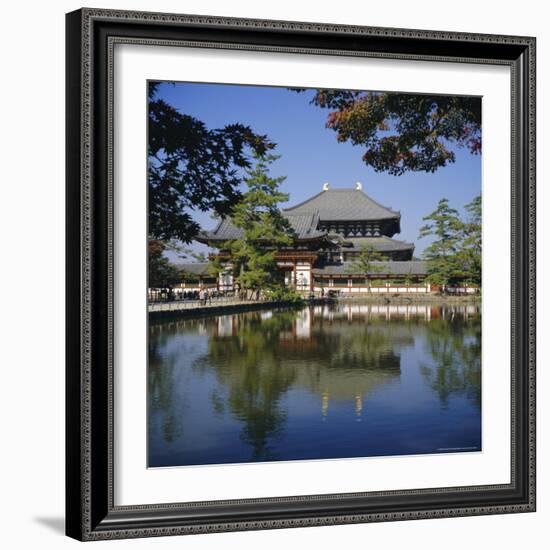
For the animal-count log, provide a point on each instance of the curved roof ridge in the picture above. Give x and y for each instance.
(313, 216)
(344, 204)
(304, 224)
(378, 203)
(305, 201)
(385, 237)
(394, 240)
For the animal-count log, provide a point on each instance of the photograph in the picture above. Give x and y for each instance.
(314, 273)
(300, 273)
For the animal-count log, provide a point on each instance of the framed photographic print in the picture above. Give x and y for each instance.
(300, 274)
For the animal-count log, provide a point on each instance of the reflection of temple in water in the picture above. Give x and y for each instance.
(227, 325)
(341, 385)
(340, 353)
(360, 356)
(337, 354)
(425, 312)
(333, 365)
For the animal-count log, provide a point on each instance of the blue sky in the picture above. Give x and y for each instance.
(311, 155)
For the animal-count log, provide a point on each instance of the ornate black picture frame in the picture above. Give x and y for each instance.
(91, 513)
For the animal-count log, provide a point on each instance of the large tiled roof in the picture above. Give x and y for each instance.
(413, 267)
(345, 205)
(382, 244)
(304, 225)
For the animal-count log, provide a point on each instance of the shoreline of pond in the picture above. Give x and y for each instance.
(171, 309)
(222, 309)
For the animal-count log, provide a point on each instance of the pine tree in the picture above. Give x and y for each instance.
(363, 263)
(470, 249)
(444, 265)
(265, 230)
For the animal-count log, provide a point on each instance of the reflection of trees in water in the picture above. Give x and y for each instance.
(161, 387)
(248, 365)
(263, 358)
(455, 346)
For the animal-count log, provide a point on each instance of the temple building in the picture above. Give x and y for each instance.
(331, 230)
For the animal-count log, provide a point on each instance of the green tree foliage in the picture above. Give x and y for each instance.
(364, 264)
(454, 256)
(443, 224)
(265, 230)
(470, 250)
(162, 273)
(403, 132)
(256, 378)
(258, 375)
(455, 346)
(192, 167)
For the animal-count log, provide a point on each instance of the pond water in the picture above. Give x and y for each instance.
(339, 381)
